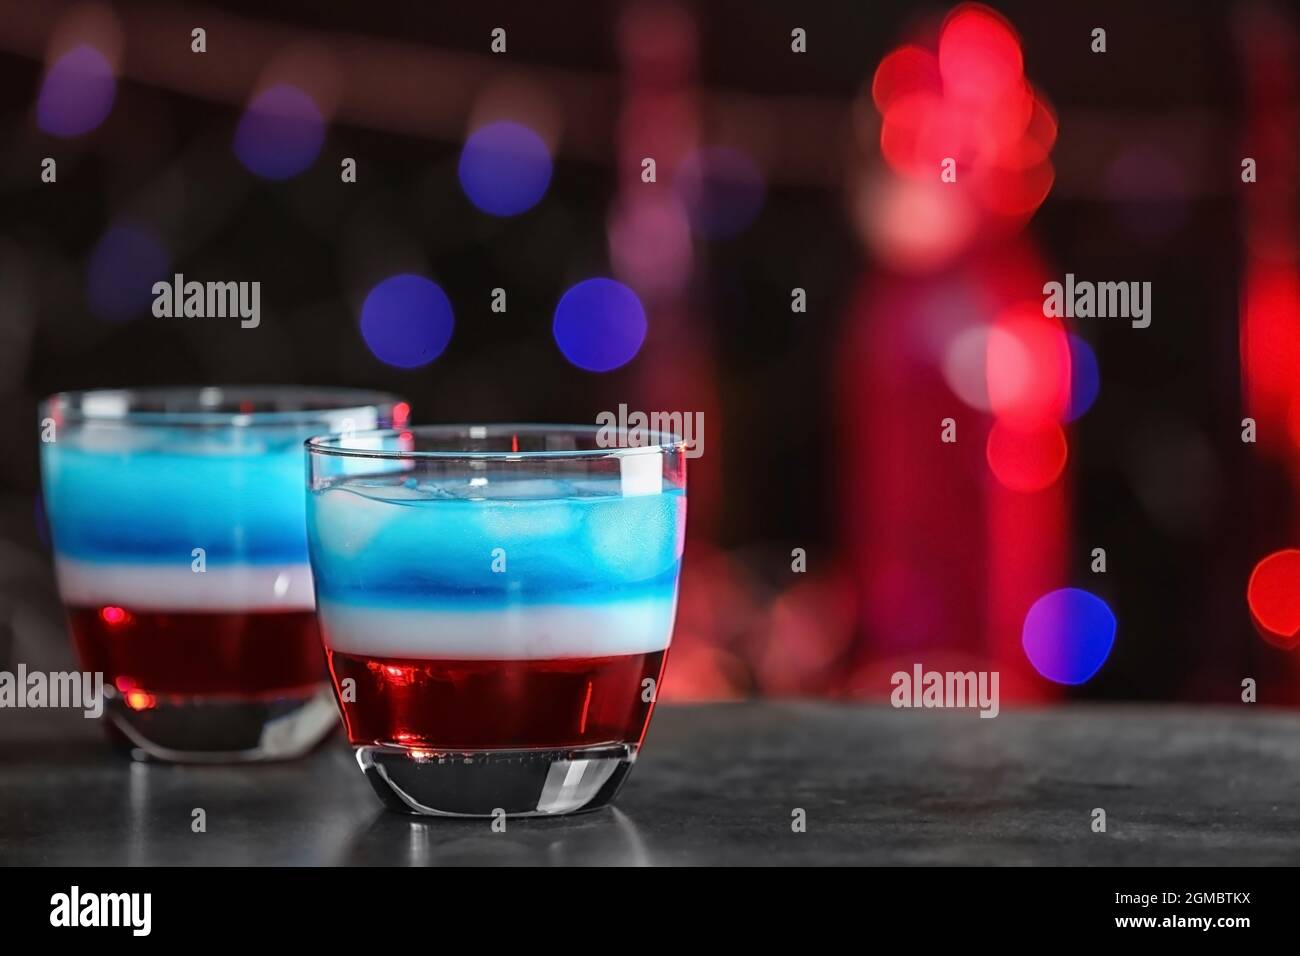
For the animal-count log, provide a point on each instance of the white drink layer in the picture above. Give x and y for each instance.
(147, 587)
(506, 633)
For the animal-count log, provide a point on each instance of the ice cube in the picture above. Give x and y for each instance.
(347, 517)
(634, 539)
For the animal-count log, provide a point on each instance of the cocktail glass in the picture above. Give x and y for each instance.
(180, 545)
(496, 604)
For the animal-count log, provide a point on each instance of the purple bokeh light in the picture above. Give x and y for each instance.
(1068, 635)
(599, 325)
(77, 93)
(505, 168)
(280, 133)
(1085, 380)
(407, 321)
(122, 269)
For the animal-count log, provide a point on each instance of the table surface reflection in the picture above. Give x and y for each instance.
(719, 783)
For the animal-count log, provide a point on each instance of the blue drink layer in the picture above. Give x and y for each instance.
(419, 544)
(153, 495)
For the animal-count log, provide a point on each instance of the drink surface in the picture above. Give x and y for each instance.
(495, 613)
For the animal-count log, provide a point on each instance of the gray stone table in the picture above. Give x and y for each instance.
(716, 784)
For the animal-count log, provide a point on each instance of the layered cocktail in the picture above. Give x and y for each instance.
(496, 605)
(177, 520)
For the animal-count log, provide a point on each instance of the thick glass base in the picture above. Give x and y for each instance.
(200, 729)
(519, 783)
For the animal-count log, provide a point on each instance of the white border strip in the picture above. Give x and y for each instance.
(508, 633)
(148, 587)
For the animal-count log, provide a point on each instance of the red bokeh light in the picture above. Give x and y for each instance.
(112, 615)
(1035, 146)
(970, 104)
(1026, 461)
(979, 54)
(1273, 595)
(140, 700)
(1015, 192)
(909, 70)
(1270, 343)
(808, 629)
(401, 414)
(909, 123)
(1028, 369)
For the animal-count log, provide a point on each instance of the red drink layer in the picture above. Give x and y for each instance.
(496, 705)
(242, 654)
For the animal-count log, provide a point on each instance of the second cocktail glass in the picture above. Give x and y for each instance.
(178, 528)
(496, 604)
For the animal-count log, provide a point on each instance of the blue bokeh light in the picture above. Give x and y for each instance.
(722, 189)
(122, 269)
(1085, 380)
(77, 93)
(407, 321)
(280, 134)
(599, 325)
(1068, 635)
(505, 168)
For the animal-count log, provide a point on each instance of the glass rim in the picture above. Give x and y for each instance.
(115, 405)
(331, 445)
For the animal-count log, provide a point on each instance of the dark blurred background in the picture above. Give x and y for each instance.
(776, 170)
